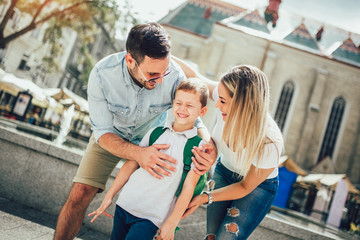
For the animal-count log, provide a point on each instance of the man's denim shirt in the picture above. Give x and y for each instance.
(117, 105)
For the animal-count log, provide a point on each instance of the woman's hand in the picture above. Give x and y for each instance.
(166, 232)
(102, 209)
(194, 204)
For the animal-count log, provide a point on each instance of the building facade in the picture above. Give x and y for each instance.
(313, 71)
(23, 56)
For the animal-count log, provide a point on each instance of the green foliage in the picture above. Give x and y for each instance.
(86, 17)
(126, 20)
(87, 64)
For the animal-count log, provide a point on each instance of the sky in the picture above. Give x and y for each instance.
(340, 13)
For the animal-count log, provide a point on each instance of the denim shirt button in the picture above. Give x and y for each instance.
(122, 113)
(156, 111)
(138, 111)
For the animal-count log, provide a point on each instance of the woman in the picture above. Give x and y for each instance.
(250, 143)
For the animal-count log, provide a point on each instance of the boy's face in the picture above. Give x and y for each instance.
(187, 107)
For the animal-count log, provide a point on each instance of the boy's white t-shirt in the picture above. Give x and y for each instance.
(272, 150)
(145, 196)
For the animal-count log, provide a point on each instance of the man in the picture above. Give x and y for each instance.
(128, 93)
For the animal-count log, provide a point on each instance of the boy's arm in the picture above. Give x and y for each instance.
(123, 176)
(167, 230)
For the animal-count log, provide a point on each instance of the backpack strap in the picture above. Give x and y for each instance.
(155, 134)
(195, 141)
(191, 142)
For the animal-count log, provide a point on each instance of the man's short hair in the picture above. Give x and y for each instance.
(195, 85)
(148, 39)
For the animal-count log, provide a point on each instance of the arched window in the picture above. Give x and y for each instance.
(284, 104)
(332, 129)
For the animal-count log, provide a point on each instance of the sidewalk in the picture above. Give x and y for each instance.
(19, 222)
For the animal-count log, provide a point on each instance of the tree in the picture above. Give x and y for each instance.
(86, 17)
(76, 14)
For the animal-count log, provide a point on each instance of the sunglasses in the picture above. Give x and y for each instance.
(152, 80)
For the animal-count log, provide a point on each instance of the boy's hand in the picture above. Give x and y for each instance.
(166, 232)
(156, 162)
(101, 210)
(193, 205)
(205, 156)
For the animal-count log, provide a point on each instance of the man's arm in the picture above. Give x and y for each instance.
(204, 134)
(146, 157)
(102, 124)
(168, 229)
(123, 176)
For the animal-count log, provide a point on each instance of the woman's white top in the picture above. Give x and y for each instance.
(272, 151)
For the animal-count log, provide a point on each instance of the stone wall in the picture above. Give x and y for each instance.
(36, 173)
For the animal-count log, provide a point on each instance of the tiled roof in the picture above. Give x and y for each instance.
(190, 16)
(291, 29)
(253, 20)
(295, 31)
(302, 36)
(347, 51)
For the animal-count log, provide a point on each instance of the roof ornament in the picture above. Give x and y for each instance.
(319, 33)
(271, 12)
(207, 13)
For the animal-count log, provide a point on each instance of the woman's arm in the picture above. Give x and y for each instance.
(243, 188)
(123, 176)
(167, 231)
(192, 73)
(233, 191)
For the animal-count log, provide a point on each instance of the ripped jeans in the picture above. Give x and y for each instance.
(237, 219)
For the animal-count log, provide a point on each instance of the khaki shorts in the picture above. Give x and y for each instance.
(96, 166)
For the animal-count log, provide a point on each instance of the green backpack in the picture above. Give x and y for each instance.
(191, 142)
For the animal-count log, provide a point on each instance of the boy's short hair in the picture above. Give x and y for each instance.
(195, 85)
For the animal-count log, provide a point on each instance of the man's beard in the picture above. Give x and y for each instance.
(140, 84)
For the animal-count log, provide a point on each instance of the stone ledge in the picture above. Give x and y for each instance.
(38, 174)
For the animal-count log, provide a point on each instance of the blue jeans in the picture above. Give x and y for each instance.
(129, 227)
(237, 219)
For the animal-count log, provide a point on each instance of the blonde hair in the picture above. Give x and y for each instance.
(245, 125)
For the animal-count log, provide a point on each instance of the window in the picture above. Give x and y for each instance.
(35, 33)
(15, 17)
(284, 104)
(23, 63)
(2, 55)
(332, 129)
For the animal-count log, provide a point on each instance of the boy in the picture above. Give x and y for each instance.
(147, 203)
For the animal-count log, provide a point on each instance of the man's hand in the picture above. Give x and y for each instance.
(205, 156)
(156, 162)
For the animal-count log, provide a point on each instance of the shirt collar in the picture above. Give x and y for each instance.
(127, 77)
(188, 133)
